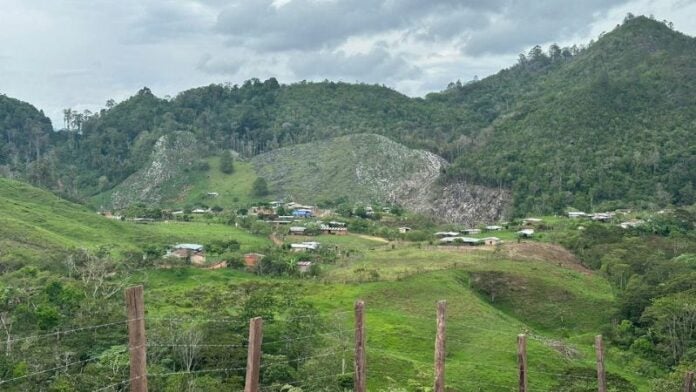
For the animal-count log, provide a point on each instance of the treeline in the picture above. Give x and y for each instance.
(598, 126)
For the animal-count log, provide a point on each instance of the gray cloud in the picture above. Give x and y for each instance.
(65, 54)
(376, 66)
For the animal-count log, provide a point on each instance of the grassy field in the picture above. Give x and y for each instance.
(234, 189)
(35, 223)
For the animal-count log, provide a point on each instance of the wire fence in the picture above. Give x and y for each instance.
(325, 358)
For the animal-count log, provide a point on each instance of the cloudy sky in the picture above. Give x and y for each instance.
(79, 53)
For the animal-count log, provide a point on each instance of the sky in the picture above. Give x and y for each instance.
(79, 53)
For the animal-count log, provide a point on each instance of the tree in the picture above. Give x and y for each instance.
(260, 187)
(674, 319)
(226, 162)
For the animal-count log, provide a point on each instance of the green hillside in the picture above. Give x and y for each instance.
(606, 124)
(39, 227)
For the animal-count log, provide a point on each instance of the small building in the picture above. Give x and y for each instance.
(386, 210)
(212, 194)
(446, 234)
(531, 221)
(576, 214)
(200, 211)
(304, 246)
(280, 222)
(297, 230)
(492, 241)
(337, 230)
(178, 212)
(337, 224)
(494, 228)
(471, 231)
(252, 259)
(302, 213)
(404, 229)
(194, 252)
(602, 216)
(526, 233)
(304, 266)
(631, 224)
(460, 240)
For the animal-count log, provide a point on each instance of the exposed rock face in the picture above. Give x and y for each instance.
(370, 168)
(172, 156)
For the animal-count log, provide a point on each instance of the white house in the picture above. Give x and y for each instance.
(526, 233)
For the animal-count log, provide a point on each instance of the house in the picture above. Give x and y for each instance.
(178, 212)
(404, 229)
(369, 211)
(460, 240)
(576, 214)
(304, 266)
(297, 230)
(194, 252)
(602, 216)
(326, 229)
(446, 234)
(281, 222)
(304, 246)
(631, 224)
(494, 228)
(386, 210)
(337, 224)
(302, 213)
(491, 241)
(471, 231)
(200, 211)
(526, 233)
(212, 194)
(531, 221)
(275, 204)
(252, 259)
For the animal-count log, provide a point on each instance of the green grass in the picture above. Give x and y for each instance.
(234, 189)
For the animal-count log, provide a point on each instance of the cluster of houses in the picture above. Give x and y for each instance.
(454, 237)
(607, 217)
(333, 227)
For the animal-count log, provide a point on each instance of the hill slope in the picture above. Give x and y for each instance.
(368, 168)
(594, 127)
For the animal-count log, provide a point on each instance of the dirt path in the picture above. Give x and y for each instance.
(277, 241)
(372, 238)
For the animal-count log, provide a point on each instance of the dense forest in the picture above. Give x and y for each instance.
(604, 125)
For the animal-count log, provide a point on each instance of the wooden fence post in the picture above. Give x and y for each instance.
(601, 373)
(360, 378)
(522, 362)
(440, 347)
(689, 382)
(254, 355)
(135, 308)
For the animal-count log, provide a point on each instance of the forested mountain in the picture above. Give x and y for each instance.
(603, 125)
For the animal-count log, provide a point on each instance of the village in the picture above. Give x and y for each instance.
(305, 238)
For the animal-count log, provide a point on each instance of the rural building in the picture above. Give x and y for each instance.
(490, 241)
(471, 231)
(304, 246)
(337, 230)
(302, 213)
(386, 210)
(252, 259)
(602, 216)
(200, 211)
(194, 252)
(446, 234)
(178, 212)
(281, 222)
(526, 233)
(631, 224)
(337, 224)
(531, 221)
(576, 214)
(304, 266)
(297, 230)
(460, 240)
(212, 194)
(494, 228)
(404, 229)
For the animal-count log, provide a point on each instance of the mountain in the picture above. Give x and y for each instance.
(599, 126)
(368, 168)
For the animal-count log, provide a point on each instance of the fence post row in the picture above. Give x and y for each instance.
(522, 361)
(601, 373)
(254, 355)
(137, 344)
(689, 382)
(360, 378)
(440, 348)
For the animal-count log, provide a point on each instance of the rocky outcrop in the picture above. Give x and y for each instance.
(369, 168)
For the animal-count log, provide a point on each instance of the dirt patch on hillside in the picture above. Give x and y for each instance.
(550, 253)
(373, 238)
